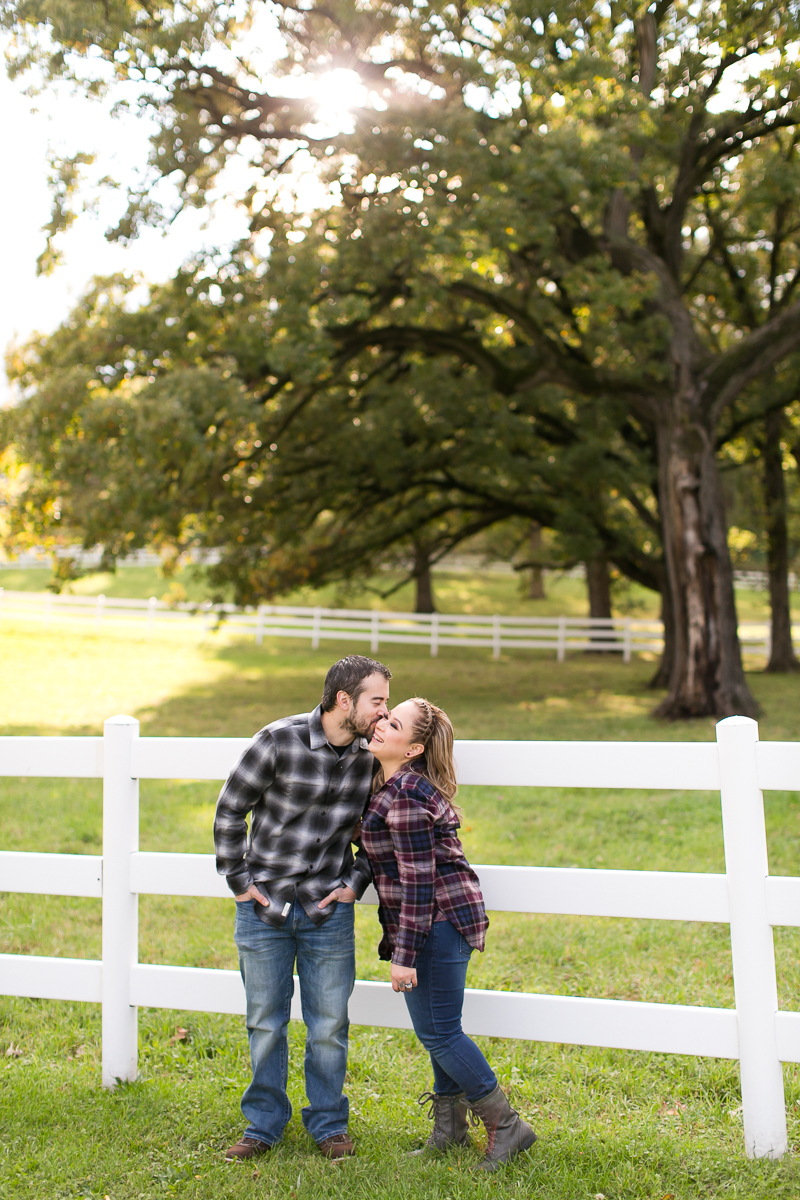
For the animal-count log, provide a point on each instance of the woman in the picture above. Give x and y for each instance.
(432, 913)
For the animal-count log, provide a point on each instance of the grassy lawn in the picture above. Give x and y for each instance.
(612, 1124)
(480, 593)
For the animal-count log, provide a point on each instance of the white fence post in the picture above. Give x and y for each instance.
(315, 628)
(260, 625)
(768, 642)
(626, 641)
(375, 631)
(120, 905)
(752, 948)
(98, 613)
(434, 635)
(562, 638)
(496, 636)
(151, 613)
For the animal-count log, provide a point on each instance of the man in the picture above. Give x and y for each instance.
(306, 781)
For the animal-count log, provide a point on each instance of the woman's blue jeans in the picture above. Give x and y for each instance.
(326, 966)
(435, 1007)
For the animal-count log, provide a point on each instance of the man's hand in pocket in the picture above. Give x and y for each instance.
(344, 895)
(253, 893)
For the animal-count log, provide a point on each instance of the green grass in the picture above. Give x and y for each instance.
(480, 593)
(611, 1123)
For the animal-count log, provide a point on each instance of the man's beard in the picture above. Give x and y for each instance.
(360, 726)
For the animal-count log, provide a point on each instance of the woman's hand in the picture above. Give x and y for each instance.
(403, 978)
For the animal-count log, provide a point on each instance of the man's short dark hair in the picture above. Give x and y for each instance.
(348, 675)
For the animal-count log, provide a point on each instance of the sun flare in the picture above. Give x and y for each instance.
(338, 92)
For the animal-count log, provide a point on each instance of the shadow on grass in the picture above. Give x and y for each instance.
(521, 696)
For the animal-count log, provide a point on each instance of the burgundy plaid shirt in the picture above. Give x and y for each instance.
(419, 868)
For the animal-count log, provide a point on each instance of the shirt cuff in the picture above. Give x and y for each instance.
(356, 882)
(238, 883)
(404, 958)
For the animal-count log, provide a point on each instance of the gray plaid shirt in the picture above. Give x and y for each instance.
(305, 802)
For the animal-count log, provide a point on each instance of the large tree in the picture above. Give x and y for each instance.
(235, 424)
(583, 158)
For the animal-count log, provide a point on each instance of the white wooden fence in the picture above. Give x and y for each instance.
(745, 897)
(620, 635)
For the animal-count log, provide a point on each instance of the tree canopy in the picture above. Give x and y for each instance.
(576, 215)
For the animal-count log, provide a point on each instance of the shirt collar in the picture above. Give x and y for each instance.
(317, 738)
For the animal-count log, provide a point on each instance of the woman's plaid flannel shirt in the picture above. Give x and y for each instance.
(419, 868)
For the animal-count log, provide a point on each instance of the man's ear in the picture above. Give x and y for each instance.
(343, 700)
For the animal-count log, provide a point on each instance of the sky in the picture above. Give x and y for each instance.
(62, 122)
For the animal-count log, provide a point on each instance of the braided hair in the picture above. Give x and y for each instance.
(434, 729)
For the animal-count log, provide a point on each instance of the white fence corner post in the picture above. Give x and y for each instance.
(374, 644)
(260, 625)
(120, 905)
(626, 642)
(562, 639)
(315, 628)
(434, 635)
(752, 948)
(495, 636)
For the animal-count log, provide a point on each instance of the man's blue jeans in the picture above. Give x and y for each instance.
(435, 1006)
(326, 965)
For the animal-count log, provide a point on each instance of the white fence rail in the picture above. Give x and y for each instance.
(745, 897)
(618, 635)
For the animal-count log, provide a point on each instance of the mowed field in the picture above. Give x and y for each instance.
(611, 1124)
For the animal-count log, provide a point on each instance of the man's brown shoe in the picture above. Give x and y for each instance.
(338, 1146)
(246, 1149)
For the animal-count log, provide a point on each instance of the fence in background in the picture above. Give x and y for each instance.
(618, 635)
(745, 897)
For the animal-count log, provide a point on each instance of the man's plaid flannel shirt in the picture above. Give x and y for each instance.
(305, 802)
(419, 868)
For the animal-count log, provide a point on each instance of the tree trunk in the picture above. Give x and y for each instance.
(422, 578)
(665, 667)
(782, 658)
(536, 589)
(707, 677)
(598, 582)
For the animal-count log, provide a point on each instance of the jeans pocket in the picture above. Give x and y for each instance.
(464, 946)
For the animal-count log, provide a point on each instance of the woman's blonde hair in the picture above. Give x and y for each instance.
(434, 729)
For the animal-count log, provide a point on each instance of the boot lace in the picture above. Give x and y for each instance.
(430, 1099)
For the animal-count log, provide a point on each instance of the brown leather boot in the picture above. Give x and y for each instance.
(246, 1149)
(508, 1134)
(449, 1116)
(339, 1145)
